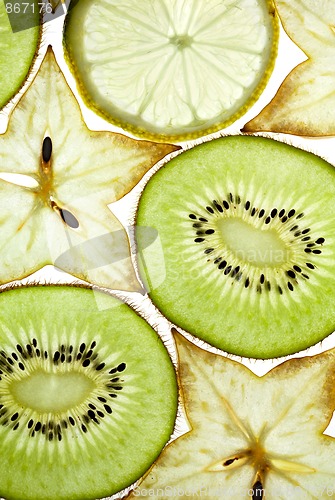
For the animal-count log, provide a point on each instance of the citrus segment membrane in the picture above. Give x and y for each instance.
(248, 249)
(17, 50)
(171, 69)
(88, 395)
(250, 437)
(56, 183)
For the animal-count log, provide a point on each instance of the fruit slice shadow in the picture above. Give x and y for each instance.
(171, 71)
(57, 178)
(246, 251)
(250, 437)
(88, 394)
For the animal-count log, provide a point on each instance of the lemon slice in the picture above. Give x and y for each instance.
(18, 47)
(171, 69)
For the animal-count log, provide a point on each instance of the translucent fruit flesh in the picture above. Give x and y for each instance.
(88, 394)
(17, 50)
(171, 70)
(246, 251)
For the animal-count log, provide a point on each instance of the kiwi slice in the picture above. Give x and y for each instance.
(88, 394)
(247, 237)
(19, 37)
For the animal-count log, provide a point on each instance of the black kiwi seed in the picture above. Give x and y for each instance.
(217, 206)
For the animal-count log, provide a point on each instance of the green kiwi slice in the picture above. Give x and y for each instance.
(88, 394)
(19, 37)
(246, 254)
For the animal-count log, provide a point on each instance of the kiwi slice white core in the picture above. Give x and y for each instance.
(43, 391)
(247, 233)
(254, 245)
(88, 394)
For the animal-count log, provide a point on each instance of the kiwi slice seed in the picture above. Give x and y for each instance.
(246, 226)
(88, 394)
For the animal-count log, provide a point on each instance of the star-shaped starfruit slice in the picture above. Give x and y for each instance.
(250, 437)
(305, 102)
(57, 178)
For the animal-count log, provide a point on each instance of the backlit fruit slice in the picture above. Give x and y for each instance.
(88, 394)
(56, 182)
(171, 69)
(17, 49)
(305, 102)
(247, 231)
(250, 437)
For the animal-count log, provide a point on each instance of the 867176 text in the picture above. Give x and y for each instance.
(28, 7)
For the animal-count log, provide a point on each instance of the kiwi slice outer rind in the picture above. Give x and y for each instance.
(291, 327)
(33, 56)
(77, 18)
(30, 470)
